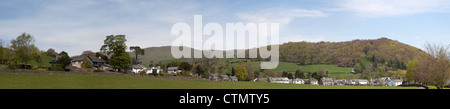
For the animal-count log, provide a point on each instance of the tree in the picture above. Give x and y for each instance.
(438, 71)
(299, 74)
(411, 69)
(357, 68)
(250, 73)
(115, 44)
(233, 71)
(290, 76)
(185, 66)
(64, 59)
(2, 52)
(284, 74)
(24, 48)
(51, 52)
(241, 72)
(87, 64)
(137, 51)
(38, 60)
(308, 75)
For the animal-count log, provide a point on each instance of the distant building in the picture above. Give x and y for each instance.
(340, 82)
(313, 82)
(78, 60)
(156, 69)
(224, 78)
(173, 70)
(326, 81)
(279, 80)
(297, 81)
(260, 79)
(213, 77)
(138, 68)
(361, 81)
(233, 78)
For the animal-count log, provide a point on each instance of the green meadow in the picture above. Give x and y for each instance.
(41, 81)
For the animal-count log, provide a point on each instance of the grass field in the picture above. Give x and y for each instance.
(38, 81)
(334, 70)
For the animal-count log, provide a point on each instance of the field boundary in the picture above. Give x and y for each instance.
(21, 71)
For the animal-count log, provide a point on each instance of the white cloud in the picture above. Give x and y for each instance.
(377, 8)
(278, 15)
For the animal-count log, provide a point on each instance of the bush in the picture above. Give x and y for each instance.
(34, 67)
(11, 64)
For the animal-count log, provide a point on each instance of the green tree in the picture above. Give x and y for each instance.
(299, 74)
(2, 53)
(115, 44)
(64, 59)
(290, 76)
(185, 66)
(137, 51)
(24, 48)
(357, 68)
(284, 74)
(51, 52)
(411, 69)
(241, 72)
(38, 60)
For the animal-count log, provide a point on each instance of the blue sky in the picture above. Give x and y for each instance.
(78, 25)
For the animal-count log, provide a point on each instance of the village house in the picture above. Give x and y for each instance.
(97, 63)
(361, 81)
(224, 78)
(279, 80)
(213, 77)
(351, 82)
(326, 81)
(297, 81)
(260, 79)
(156, 69)
(138, 68)
(173, 70)
(313, 82)
(393, 82)
(340, 82)
(233, 78)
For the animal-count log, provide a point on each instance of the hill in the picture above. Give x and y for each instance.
(383, 52)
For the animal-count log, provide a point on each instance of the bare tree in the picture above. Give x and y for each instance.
(433, 69)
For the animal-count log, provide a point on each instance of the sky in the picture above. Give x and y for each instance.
(78, 25)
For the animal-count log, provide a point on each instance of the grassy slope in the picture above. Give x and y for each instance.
(292, 67)
(35, 81)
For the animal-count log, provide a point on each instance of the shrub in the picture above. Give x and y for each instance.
(11, 64)
(34, 67)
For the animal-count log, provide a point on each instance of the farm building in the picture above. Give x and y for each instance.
(173, 70)
(260, 79)
(233, 78)
(340, 82)
(224, 78)
(326, 81)
(313, 81)
(138, 68)
(279, 80)
(361, 82)
(297, 81)
(213, 77)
